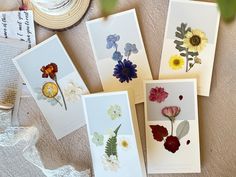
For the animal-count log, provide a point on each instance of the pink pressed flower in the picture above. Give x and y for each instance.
(158, 94)
(171, 111)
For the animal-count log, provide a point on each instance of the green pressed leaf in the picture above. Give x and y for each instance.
(193, 53)
(189, 29)
(227, 9)
(183, 26)
(179, 35)
(182, 129)
(107, 6)
(111, 145)
(179, 48)
(190, 59)
(181, 31)
(183, 54)
(178, 42)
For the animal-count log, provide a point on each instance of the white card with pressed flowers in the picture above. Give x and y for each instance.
(119, 53)
(171, 121)
(114, 135)
(190, 42)
(55, 85)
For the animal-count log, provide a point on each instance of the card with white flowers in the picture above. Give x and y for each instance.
(190, 42)
(119, 53)
(55, 84)
(171, 121)
(114, 135)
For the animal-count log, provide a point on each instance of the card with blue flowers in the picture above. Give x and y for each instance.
(114, 135)
(55, 85)
(171, 121)
(190, 42)
(119, 53)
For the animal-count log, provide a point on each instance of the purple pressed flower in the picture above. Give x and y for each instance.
(125, 71)
(111, 41)
(117, 56)
(130, 48)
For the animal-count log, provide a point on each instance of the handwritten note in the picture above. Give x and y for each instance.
(18, 25)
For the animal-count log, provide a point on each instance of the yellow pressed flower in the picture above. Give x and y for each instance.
(124, 144)
(50, 90)
(195, 40)
(176, 62)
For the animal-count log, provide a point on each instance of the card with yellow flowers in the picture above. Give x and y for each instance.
(114, 135)
(55, 84)
(190, 42)
(171, 121)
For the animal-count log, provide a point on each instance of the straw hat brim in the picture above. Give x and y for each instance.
(63, 21)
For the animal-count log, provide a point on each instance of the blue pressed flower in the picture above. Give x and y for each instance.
(130, 48)
(117, 56)
(125, 71)
(111, 41)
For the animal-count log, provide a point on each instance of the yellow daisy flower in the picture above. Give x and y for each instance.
(176, 62)
(195, 40)
(124, 143)
(50, 90)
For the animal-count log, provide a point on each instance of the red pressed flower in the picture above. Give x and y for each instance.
(49, 70)
(23, 7)
(172, 144)
(171, 111)
(158, 94)
(159, 132)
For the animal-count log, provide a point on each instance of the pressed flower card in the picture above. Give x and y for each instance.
(171, 121)
(55, 85)
(190, 42)
(114, 135)
(119, 53)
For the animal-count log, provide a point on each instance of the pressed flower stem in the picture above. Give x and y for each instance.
(187, 60)
(172, 127)
(191, 67)
(57, 101)
(63, 98)
(129, 54)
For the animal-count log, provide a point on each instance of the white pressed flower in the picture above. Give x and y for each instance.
(73, 92)
(110, 163)
(114, 112)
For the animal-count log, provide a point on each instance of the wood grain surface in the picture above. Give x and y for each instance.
(217, 113)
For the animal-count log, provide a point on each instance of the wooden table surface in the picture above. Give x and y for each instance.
(217, 115)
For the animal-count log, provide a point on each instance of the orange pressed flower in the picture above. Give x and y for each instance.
(49, 70)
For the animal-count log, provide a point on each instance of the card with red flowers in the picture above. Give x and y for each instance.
(171, 121)
(119, 53)
(55, 84)
(190, 42)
